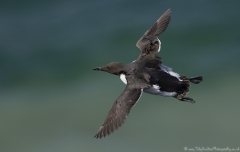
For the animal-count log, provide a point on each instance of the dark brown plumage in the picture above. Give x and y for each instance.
(119, 110)
(147, 74)
(147, 42)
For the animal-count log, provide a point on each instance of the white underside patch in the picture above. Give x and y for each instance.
(169, 71)
(155, 90)
(123, 78)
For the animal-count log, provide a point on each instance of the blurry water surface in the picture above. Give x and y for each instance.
(51, 100)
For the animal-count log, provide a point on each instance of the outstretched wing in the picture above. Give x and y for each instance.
(149, 41)
(119, 111)
(159, 26)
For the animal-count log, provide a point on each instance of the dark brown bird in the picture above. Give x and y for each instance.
(147, 74)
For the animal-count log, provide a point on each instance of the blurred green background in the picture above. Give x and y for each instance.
(52, 101)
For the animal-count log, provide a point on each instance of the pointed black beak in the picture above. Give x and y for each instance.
(97, 69)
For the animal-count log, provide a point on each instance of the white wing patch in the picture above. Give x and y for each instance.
(159, 45)
(123, 78)
(169, 71)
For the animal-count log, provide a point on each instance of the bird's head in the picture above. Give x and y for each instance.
(113, 68)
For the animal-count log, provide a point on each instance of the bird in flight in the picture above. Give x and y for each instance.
(146, 74)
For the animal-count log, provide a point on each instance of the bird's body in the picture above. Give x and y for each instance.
(158, 88)
(146, 74)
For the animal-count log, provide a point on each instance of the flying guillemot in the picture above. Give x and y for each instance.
(146, 74)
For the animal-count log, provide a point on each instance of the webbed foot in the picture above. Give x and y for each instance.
(196, 80)
(187, 99)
